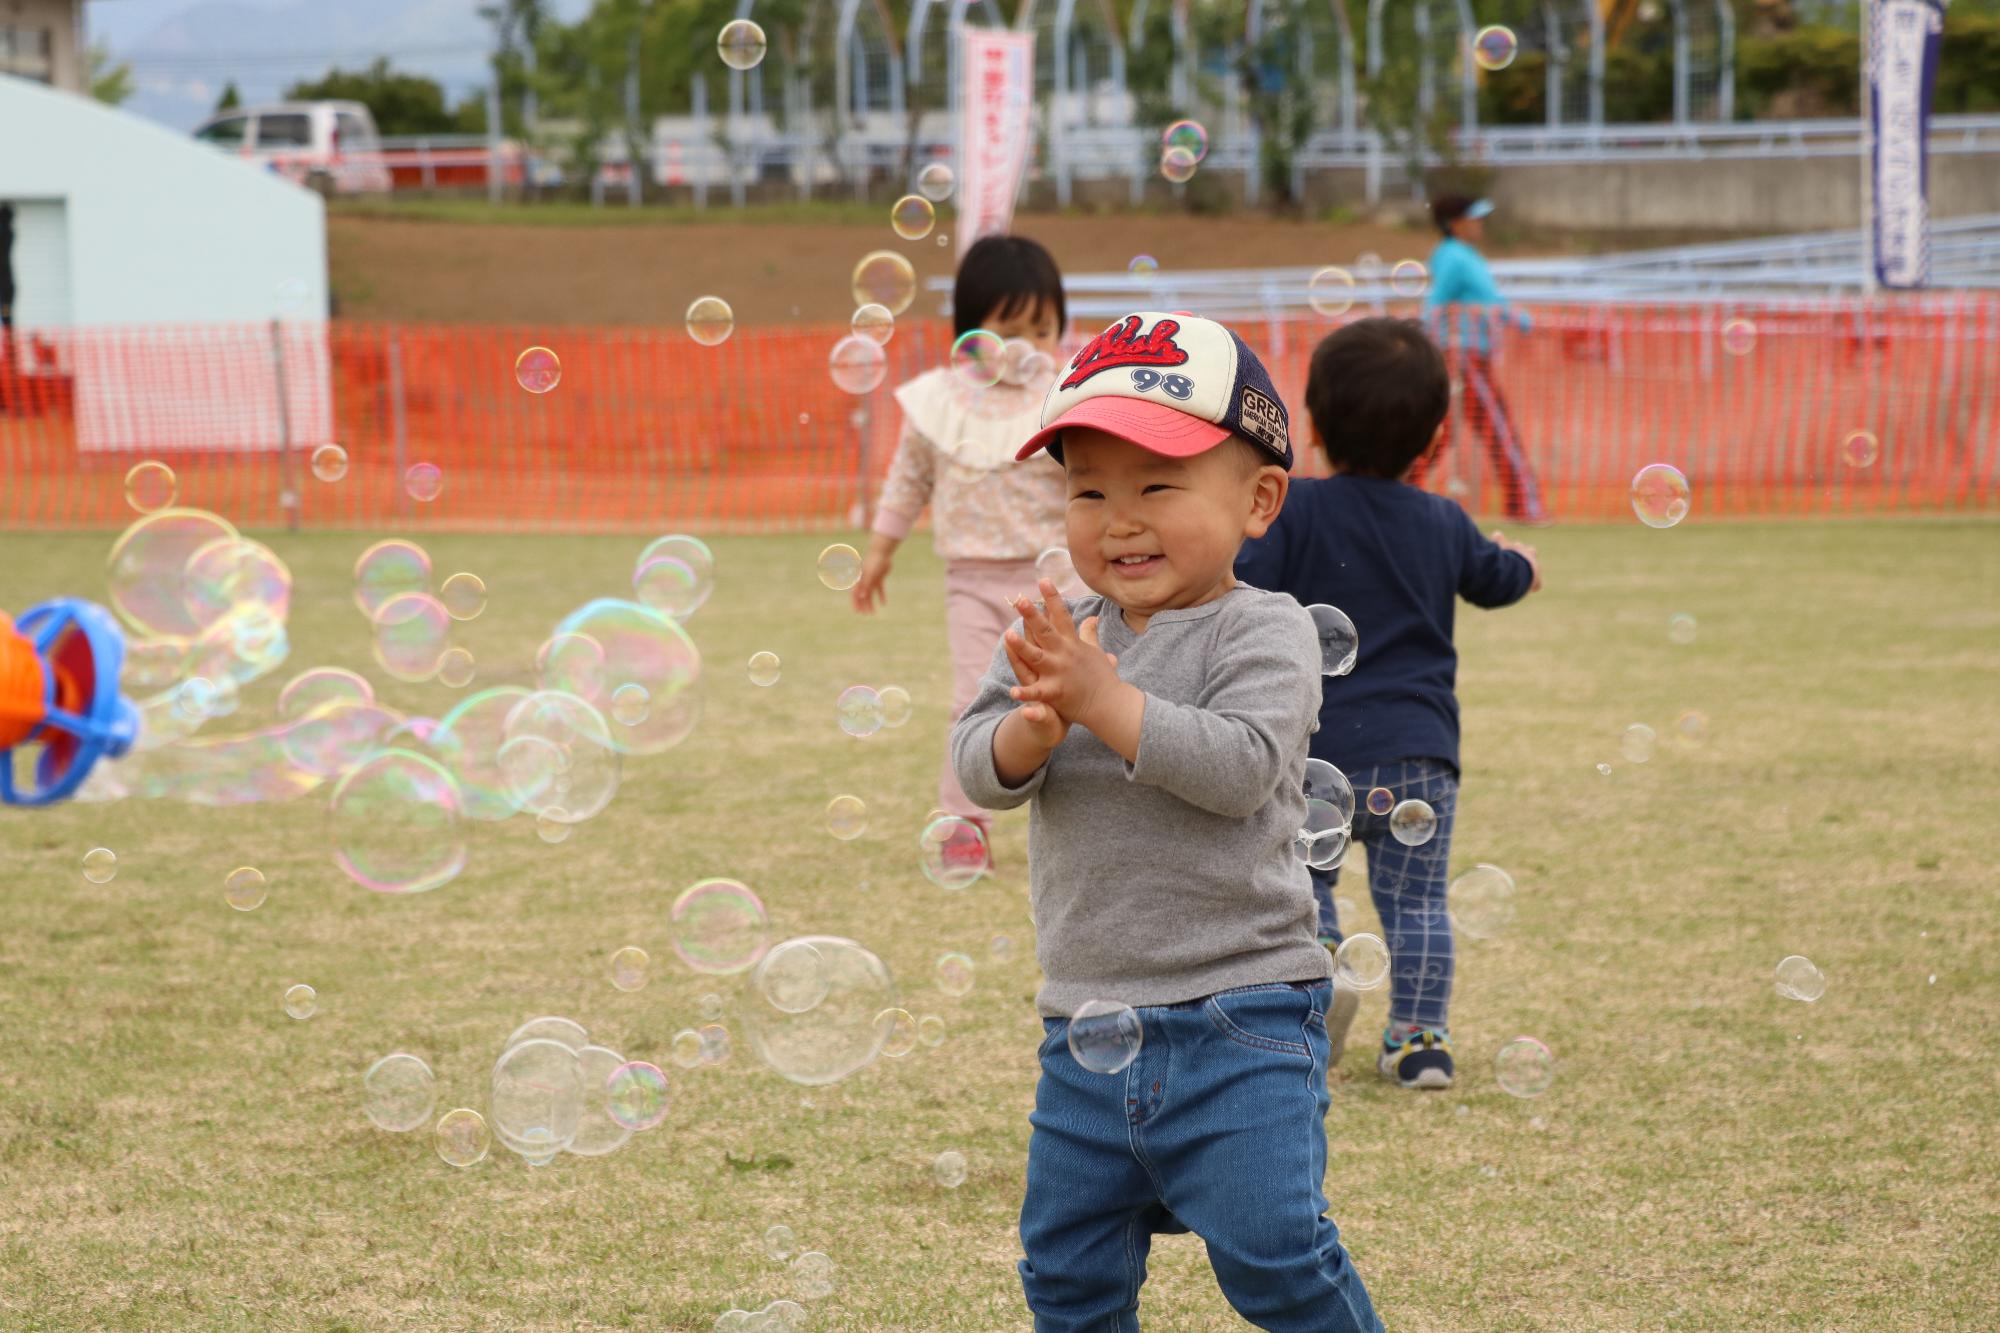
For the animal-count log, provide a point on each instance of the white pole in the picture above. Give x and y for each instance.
(1867, 9)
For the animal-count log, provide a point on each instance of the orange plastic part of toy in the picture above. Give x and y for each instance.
(23, 686)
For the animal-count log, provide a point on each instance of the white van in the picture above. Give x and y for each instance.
(330, 147)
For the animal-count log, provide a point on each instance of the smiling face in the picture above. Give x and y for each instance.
(1159, 534)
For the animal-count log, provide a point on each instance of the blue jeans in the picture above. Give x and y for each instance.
(1217, 1128)
(1409, 886)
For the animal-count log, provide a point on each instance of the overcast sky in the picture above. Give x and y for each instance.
(184, 51)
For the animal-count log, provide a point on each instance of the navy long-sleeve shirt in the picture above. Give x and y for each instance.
(1395, 559)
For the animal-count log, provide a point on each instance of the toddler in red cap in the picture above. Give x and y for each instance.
(1158, 731)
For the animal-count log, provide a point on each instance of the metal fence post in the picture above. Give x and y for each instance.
(398, 422)
(288, 482)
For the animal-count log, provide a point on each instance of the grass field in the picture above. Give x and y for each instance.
(177, 1153)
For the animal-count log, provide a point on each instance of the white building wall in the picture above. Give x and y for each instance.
(154, 231)
(161, 229)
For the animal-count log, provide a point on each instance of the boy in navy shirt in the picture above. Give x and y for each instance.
(1394, 558)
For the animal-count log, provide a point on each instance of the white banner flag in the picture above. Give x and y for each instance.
(1903, 40)
(996, 87)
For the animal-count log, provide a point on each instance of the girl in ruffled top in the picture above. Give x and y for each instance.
(990, 516)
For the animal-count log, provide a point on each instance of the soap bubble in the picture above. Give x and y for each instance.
(719, 926)
(598, 1131)
(1409, 278)
(1413, 822)
(793, 977)
(930, 1030)
(687, 1048)
(1494, 47)
(150, 486)
(912, 217)
(1330, 291)
(1188, 135)
(628, 968)
(412, 631)
(244, 889)
(812, 1276)
(859, 709)
(462, 1137)
(389, 569)
(954, 975)
(642, 647)
(636, 1095)
(1056, 566)
(1681, 628)
(538, 370)
(1322, 837)
(241, 580)
(895, 705)
(715, 1047)
(1177, 165)
(949, 1169)
(711, 1006)
(885, 278)
(301, 1001)
(1800, 979)
(100, 865)
(464, 596)
(1482, 901)
(1361, 962)
(1339, 645)
(764, 668)
(1001, 948)
(556, 757)
(936, 182)
(1326, 783)
(329, 462)
(395, 824)
(536, 1098)
(954, 852)
(976, 358)
(1660, 495)
(839, 567)
(1636, 743)
(741, 44)
(898, 1031)
(1860, 448)
(710, 321)
(1739, 336)
(1105, 1035)
(456, 668)
(1143, 266)
(846, 817)
(1604, 770)
(152, 666)
(1524, 1067)
(424, 482)
(1380, 800)
(1691, 727)
(873, 322)
(684, 593)
(836, 1033)
(630, 705)
(857, 364)
(399, 1093)
(144, 572)
(780, 1242)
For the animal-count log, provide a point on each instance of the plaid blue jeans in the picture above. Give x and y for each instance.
(1408, 885)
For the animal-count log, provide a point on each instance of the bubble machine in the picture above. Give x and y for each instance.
(59, 670)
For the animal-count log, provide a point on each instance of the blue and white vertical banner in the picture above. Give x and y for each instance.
(1903, 41)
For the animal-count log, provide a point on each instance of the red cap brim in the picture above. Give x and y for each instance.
(1154, 427)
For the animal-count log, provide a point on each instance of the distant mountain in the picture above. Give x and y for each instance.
(184, 51)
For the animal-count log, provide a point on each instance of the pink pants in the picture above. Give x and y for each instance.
(978, 608)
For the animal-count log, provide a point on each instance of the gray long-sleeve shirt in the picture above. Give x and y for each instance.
(1172, 877)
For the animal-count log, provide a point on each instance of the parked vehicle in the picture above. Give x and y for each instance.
(331, 147)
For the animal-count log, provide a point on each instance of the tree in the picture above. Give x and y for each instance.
(109, 83)
(401, 103)
(230, 99)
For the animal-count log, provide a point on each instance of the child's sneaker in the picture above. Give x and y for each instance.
(1339, 1015)
(1420, 1060)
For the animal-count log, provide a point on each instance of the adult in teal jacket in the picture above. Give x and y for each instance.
(1464, 310)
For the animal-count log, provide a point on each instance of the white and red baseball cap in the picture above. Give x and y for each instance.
(1170, 383)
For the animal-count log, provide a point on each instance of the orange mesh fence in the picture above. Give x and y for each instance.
(649, 429)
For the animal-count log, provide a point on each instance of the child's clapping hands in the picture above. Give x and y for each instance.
(1065, 679)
